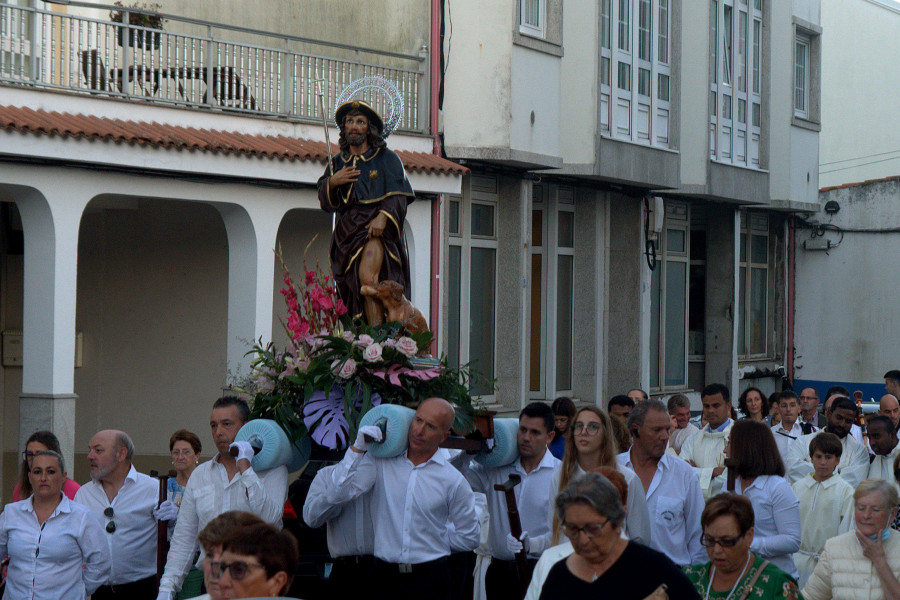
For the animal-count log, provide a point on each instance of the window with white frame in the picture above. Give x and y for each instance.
(735, 99)
(552, 293)
(532, 17)
(472, 278)
(753, 286)
(669, 301)
(801, 75)
(635, 70)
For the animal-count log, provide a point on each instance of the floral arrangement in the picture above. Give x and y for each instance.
(142, 19)
(335, 369)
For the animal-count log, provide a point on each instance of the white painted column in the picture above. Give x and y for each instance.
(50, 220)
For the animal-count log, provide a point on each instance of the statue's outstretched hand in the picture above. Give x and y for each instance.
(346, 175)
(376, 227)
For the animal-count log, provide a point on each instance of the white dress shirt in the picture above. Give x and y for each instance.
(132, 546)
(680, 436)
(776, 520)
(66, 558)
(637, 519)
(882, 467)
(531, 502)
(208, 494)
(348, 526)
(675, 503)
(548, 559)
(706, 449)
(784, 438)
(826, 510)
(853, 467)
(413, 506)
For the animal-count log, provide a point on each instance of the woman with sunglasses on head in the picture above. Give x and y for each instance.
(56, 547)
(733, 571)
(604, 564)
(592, 444)
(38, 441)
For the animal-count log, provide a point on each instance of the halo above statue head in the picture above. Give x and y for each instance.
(372, 91)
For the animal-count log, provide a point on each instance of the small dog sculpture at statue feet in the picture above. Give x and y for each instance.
(396, 306)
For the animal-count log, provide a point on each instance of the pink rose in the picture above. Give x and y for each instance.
(390, 343)
(372, 353)
(344, 371)
(364, 341)
(407, 346)
(348, 336)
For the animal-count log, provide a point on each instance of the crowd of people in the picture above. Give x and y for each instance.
(779, 503)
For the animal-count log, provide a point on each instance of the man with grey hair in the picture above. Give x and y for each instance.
(124, 502)
(680, 413)
(674, 499)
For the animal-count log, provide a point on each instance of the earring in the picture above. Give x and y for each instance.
(197, 461)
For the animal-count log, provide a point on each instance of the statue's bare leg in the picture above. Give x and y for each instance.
(369, 267)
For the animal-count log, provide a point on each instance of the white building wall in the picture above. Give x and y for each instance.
(578, 119)
(694, 65)
(535, 109)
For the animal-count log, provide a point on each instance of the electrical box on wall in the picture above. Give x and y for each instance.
(817, 244)
(12, 349)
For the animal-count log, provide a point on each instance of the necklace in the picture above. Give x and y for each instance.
(734, 587)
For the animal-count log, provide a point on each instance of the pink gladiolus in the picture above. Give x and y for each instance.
(339, 308)
(310, 277)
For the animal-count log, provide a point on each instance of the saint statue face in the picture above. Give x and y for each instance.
(356, 129)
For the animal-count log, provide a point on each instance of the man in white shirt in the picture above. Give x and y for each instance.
(674, 499)
(705, 450)
(680, 411)
(883, 439)
(854, 464)
(422, 507)
(788, 430)
(219, 485)
(350, 535)
(536, 466)
(837, 391)
(124, 503)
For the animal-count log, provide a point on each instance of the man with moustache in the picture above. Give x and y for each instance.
(422, 507)
(124, 502)
(222, 484)
(854, 464)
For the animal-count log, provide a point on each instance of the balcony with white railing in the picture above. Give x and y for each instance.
(197, 64)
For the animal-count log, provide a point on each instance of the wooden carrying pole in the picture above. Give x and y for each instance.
(162, 527)
(515, 528)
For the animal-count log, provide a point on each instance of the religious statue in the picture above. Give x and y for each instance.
(367, 188)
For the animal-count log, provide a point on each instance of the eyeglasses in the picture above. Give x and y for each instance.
(186, 452)
(110, 514)
(238, 569)
(809, 397)
(710, 542)
(589, 429)
(591, 530)
(26, 455)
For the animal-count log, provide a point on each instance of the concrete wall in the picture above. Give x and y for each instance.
(579, 74)
(846, 306)
(535, 109)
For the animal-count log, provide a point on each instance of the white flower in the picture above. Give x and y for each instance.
(372, 353)
(407, 346)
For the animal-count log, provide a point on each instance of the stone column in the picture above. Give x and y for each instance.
(723, 235)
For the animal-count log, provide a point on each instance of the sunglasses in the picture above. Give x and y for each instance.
(110, 514)
(238, 569)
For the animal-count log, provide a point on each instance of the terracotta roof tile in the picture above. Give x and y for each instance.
(68, 125)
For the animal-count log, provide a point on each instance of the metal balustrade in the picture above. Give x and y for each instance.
(198, 67)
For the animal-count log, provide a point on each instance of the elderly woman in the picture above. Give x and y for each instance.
(604, 565)
(592, 444)
(863, 563)
(734, 572)
(185, 448)
(56, 547)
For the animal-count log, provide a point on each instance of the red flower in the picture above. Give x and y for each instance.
(310, 277)
(340, 309)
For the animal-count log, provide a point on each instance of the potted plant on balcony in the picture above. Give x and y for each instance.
(139, 37)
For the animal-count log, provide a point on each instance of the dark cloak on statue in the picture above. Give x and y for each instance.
(382, 186)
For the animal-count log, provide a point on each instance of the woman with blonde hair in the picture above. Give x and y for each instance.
(590, 445)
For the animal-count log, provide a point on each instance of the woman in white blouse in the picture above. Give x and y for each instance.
(754, 456)
(55, 546)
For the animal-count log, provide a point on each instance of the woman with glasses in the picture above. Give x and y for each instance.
(604, 564)
(863, 563)
(754, 457)
(734, 572)
(185, 448)
(38, 441)
(56, 547)
(256, 562)
(590, 445)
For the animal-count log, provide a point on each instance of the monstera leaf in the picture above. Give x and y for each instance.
(325, 418)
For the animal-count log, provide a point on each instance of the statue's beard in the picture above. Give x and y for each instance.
(356, 139)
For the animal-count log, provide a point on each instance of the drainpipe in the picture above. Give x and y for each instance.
(790, 299)
(435, 75)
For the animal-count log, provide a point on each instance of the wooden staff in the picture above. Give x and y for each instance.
(515, 528)
(162, 527)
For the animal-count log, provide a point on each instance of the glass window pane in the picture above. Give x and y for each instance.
(743, 247)
(624, 76)
(531, 13)
(675, 240)
(676, 273)
(481, 313)
(759, 249)
(644, 29)
(604, 24)
(697, 307)
(453, 216)
(757, 55)
(537, 228)
(564, 294)
(654, 325)
(698, 244)
(453, 306)
(566, 229)
(644, 82)
(727, 46)
(604, 70)
(663, 32)
(537, 336)
(482, 220)
(662, 91)
(742, 52)
(757, 316)
(624, 25)
(714, 45)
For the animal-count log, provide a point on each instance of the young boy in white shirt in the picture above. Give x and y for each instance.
(788, 430)
(826, 503)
